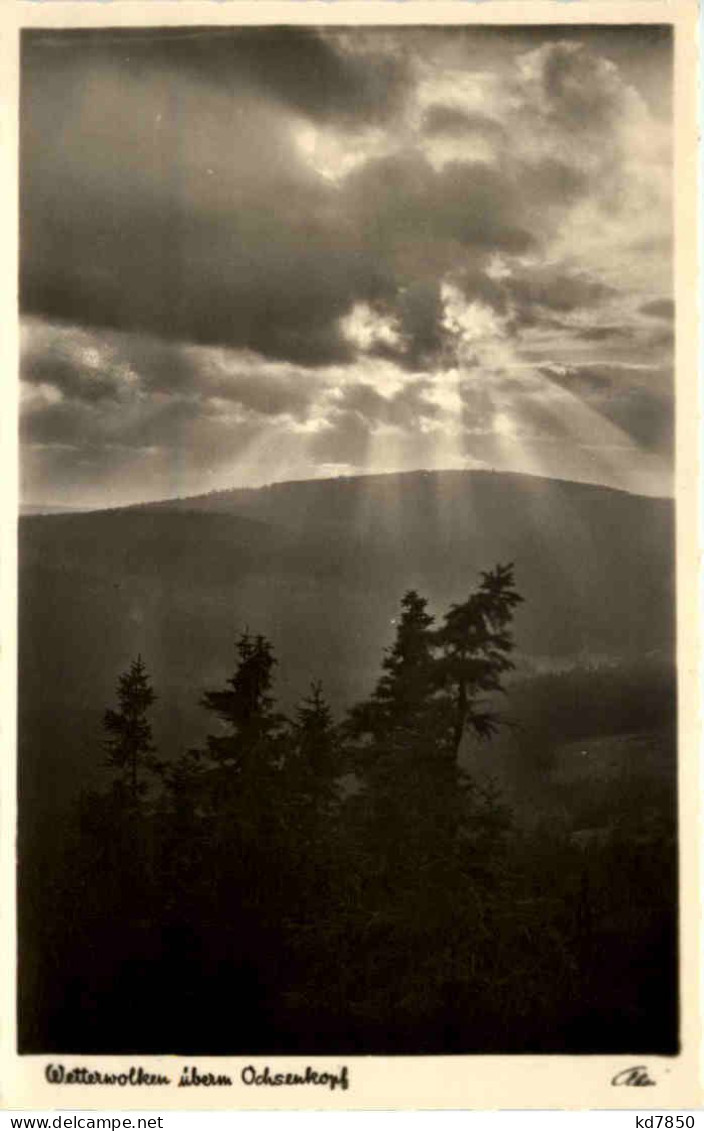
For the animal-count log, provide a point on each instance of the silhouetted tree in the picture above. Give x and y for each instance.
(128, 745)
(313, 748)
(239, 789)
(246, 707)
(256, 905)
(394, 746)
(310, 858)
(400, 701)
(476, 643)
(425, 841)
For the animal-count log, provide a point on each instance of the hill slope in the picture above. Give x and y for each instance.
(319, 567)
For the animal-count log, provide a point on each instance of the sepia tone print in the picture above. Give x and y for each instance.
(347, 672)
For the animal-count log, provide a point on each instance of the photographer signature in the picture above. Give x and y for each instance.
(636, 1077)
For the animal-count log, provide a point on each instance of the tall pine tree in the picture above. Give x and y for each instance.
(476, 643)
(400, 705)
(246, 707)
(394, 747)
(128, 744)
(240, 768)
(417, 802)
(313, 754)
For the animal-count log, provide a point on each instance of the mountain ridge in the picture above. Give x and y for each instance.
(320, 569)
(226, 493)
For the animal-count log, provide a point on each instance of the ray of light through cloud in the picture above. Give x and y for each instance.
(300, 252)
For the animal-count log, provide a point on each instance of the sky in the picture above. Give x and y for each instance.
(252, 255)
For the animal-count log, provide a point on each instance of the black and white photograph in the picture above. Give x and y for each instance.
(347, 715)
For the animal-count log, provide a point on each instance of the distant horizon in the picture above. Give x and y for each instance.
(49, 507)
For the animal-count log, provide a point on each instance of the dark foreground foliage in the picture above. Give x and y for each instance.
(297, 886)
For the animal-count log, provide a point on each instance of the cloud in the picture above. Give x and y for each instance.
(246, 246)
(162, 206)
(572, 87)
(554, 289)
(180, 204)
(120, 371)
(441, 119)
(420, 312)
(298, 66)
(400, 199)
(403, 409)
(646, 414)
(603, 333)
(369, 329)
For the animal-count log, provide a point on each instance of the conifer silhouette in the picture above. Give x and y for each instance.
(128, 745)
(246, 707)
(476, 644)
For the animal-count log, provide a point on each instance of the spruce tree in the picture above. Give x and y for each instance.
(309, 804)
(315, 741)
(400, 703)
(246, 707)
(427, 841)
(394, 747)
(476, 643)
(312, 766)
(417, 803)
(129, 747)
(239, 779)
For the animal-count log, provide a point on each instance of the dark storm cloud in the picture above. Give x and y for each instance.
(556, 290)
(642, 52)
(153, 200)
(564, 72)
(541, 297)
(299, 66)
(241, 380)
(280, 235)
(489, 208)
(176, 430)
(58, 424)
(549, 181)
(88, 366)
(129, 369)
(198, 280)
(165, 207)
(269, 394)
(249, 280)
(84, 425)
(79, 383)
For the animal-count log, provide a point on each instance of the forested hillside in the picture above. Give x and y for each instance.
(444, 856)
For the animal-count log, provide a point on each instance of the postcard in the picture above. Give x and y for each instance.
(351, 633)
